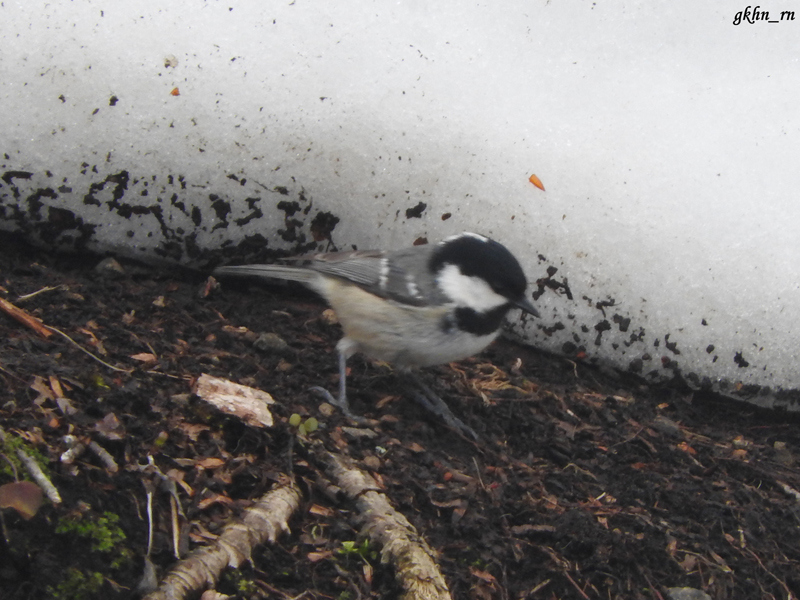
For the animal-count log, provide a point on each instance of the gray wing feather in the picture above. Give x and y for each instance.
(364, 270)
(403, 278)
(272, 271)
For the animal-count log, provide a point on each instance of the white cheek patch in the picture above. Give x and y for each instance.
(471, 292)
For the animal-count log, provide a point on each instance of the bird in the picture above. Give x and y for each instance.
(416, 307)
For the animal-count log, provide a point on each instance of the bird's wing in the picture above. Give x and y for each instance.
(399, 276)
(360, 267)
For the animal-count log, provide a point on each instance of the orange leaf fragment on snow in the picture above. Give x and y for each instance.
(23, 496)
(536, 181)
(175, 92)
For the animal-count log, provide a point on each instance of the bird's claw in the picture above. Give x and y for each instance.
(340, 403)
(437, 406)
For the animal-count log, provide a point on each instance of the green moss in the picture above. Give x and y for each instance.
(104, 536)
(9, 449)
(77, 585)
(102, 531)
(236, 580)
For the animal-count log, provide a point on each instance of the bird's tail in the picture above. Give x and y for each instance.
(269, 271)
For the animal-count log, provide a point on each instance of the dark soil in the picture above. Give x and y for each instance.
(584, 484)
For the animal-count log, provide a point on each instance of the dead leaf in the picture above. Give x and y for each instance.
(483, 575)
(721, 562)
(145, 357)
(318, 556)
(110, 427)
(65, 406)
(55, 385)
(193, 430)
(689, 563)
(214, 499)
(23, 496)
(43, 389)
(210, 463)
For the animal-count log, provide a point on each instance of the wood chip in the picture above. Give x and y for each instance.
(246, 403)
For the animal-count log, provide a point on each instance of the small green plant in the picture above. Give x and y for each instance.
(309, 426)
(238, 581)
(362, 551)
(103, 531)
(77, 586)
(105, 537)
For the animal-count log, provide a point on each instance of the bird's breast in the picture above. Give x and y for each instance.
(404, 335)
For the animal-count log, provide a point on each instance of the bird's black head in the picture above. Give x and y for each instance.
(461, 262)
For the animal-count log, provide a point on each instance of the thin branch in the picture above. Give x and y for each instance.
(98, 359)
(25, 318)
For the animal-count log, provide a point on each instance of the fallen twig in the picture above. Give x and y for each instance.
(36, 472)
(98, 359)
(47, 288)
(789, 491)
(401, 545)
(264, 521)
(25, 318)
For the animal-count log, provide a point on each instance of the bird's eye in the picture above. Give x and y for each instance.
(499, 288)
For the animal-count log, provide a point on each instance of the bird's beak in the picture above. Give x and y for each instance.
(526, 305)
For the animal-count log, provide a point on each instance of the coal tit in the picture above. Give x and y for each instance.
(421, 306)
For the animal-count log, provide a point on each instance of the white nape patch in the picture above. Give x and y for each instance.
(470, 292)
(411, 286)
(383, 276)
(464, 234)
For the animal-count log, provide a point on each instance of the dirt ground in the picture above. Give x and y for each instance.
(584, 484)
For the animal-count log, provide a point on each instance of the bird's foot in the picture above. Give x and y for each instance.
(340, 403)
(428, 399)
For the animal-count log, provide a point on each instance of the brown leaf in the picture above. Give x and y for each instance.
(145, 357)
(482, 575)
(110, 427)
(210, 463)
(318, 556)
(214, 499)
(23, 496)
(43, 388)
(55, 385)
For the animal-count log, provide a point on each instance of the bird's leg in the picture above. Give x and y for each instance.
(430, 400)
(341, 401)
